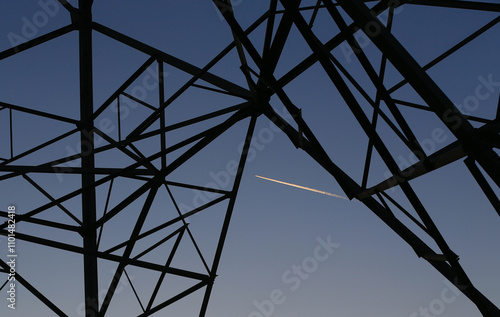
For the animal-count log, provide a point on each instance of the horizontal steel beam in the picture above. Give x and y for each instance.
(457, 4)
(110, 257)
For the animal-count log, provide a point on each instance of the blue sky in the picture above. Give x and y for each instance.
(277, 259)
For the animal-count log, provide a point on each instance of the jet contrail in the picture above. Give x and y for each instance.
(302, 187)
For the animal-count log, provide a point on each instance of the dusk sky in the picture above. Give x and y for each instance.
(289, 252)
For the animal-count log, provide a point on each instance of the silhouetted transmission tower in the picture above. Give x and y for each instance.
(118, 179)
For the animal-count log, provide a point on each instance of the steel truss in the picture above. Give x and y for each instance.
(476, 146)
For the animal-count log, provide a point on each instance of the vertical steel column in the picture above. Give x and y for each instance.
(163, 138)
(88, 162)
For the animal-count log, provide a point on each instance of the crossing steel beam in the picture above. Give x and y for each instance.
(258, 58)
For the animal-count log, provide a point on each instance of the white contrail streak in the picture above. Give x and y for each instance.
(302, 187)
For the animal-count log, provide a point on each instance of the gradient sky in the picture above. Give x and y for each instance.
(370, 272)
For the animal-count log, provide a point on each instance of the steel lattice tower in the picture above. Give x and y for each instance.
(475, 142)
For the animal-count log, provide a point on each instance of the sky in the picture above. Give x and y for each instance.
(289, 252)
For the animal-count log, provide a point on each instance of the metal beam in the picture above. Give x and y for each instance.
(428, 90)
(330, 45)
(87, 161)
(37, 41)
(130, 246)
(469, 5)
(443, 157)
(111, 257)
(229, 213)
(450, 51)
(376, 80)
(483, 183)
(175, 62)
(417, 244)
(34, 291)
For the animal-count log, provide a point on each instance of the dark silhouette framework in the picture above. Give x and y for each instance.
(476, 146)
